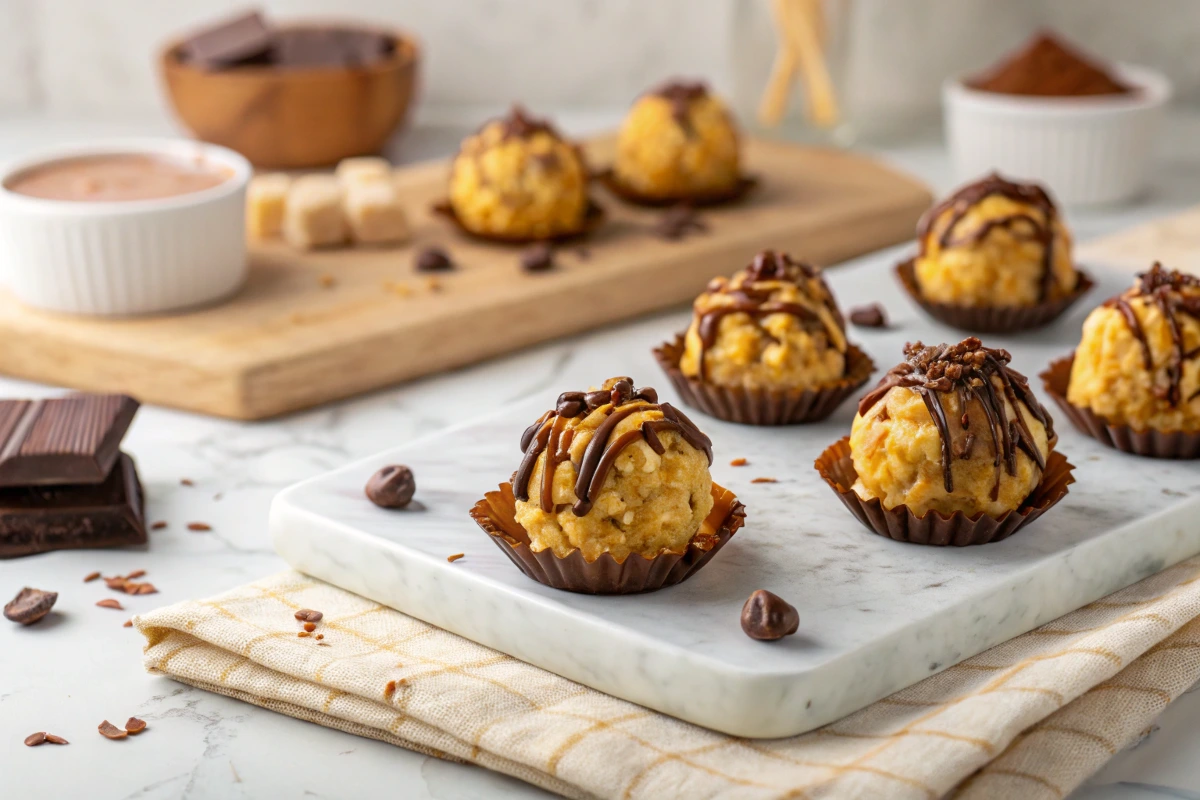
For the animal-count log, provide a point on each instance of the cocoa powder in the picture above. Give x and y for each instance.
(1045, 66)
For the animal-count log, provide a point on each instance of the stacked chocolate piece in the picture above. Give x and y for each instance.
(64, 482)
(249, 40)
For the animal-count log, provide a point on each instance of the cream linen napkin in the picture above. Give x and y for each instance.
(1030, 718)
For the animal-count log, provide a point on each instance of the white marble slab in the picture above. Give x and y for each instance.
(876, 615)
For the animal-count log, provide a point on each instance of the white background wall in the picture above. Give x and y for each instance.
(96, 57)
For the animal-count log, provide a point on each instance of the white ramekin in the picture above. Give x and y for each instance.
(1086, 150)
(129, 257)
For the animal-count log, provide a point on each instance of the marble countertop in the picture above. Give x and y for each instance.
(83, 667)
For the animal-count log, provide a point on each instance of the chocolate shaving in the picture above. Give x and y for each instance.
(433, 259)
(91, 576)
(135, 726)
(110, 731)
(537, 258)
(677, 222)
(871, 316)
(53, 739)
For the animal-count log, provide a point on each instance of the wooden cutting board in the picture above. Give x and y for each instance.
(309, 328)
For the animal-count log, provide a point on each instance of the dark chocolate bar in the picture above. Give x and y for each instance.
(42, 518)
(327, 47)
(62, 441)
(237, 41)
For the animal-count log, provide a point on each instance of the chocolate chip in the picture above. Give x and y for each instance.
(52, 739)
(570, 405)
(34, 739)
(110, 731)
(538, 258)
(871, 316)
(678, 222)
(392, 487)
(135, 725)
(597, 398)
(433, 259)
(308, 615)
(199, 526)
(30, 605)
(767, 617)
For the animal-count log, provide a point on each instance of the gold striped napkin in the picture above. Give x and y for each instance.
(1030, 718)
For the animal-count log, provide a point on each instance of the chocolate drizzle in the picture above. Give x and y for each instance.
(969, 370)
(1165, 290)
(681, 95)
(961, 202)
(520, 125)
(551, 435)
(755, 301)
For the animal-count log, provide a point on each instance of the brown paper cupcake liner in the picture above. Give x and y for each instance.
(496, 514)
(593, 218)
(745, 184)
(958, 529)
(991, 319)
(763, 406)
(1150, 442)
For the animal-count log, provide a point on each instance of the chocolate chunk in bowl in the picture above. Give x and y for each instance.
(605, 450)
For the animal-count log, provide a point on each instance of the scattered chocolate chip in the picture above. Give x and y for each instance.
(433, 259)
(34, 739)
(455, 557)
(186, 482)
(767, 616)
(52, 739)
(738, 462)
(871, 316)
(765, 480)
(110, 731)
(199, 526)
(302, 634)
(392, 487)
(108, 602)
(158, 526)
(678, 222)
(127, 623)
(310, 626)
(308, 615)
(135, 726)
(137, 573)
(91, 576)
(537, 258)
(30, 605)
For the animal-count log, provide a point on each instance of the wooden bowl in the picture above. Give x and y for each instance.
(296, 117)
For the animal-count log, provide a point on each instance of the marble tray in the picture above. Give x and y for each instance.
(876, 615)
